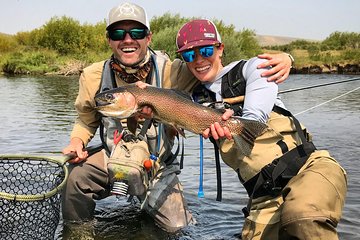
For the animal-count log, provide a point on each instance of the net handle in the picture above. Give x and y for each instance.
(90, 149)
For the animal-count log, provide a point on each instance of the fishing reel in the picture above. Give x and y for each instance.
(120, 188)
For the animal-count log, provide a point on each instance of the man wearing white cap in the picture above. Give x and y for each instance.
(133, 141)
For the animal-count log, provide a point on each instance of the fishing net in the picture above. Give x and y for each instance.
(30, 196)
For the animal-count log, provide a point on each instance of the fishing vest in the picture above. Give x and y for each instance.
(109, 126)
(233, 84)
(277, 155)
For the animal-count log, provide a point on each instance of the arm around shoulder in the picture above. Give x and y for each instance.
(280, 64)
(260, 95)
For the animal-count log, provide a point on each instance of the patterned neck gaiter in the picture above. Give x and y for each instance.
(132, 74)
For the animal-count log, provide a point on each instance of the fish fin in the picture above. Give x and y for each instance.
(251, 130)
(244, 146)
(181, 131)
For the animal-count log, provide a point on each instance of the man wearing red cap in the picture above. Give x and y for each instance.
(134, 140)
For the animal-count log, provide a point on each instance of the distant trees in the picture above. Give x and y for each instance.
(338, 47)
(68, 37)
(238, 44)
(336, 41)
(341, 41)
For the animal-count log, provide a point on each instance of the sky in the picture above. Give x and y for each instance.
(307, 19)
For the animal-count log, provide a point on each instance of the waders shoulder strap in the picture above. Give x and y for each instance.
(233, 84)
(107, 82)
(146, 125)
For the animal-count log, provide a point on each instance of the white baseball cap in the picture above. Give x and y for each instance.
(128, 11)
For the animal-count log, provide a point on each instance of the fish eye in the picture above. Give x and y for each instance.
(109, 96)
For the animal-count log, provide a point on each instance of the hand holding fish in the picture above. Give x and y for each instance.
(146, 112)
(141, 84)
(216, 130)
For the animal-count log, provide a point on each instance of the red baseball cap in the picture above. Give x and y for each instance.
(199, 32)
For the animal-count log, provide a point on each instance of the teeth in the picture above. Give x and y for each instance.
(129, 49)
(202, 68)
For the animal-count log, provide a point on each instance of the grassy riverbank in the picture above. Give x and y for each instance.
(47, 62)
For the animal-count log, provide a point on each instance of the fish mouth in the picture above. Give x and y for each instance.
(104, 99)
(111, 110)
(102, 103)
(115, 103)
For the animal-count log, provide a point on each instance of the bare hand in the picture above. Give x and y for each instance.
(76, 147)
(146, 112)
(141, 84)
(216, 130)
(281, 65)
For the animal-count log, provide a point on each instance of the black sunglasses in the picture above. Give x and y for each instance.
(135, 33)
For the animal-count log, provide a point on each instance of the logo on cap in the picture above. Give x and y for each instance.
(126, 9)
(209, 35)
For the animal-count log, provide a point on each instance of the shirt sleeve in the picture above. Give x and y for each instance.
(260, 95)
(88, 119)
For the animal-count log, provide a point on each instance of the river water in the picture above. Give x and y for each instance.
(37, 114)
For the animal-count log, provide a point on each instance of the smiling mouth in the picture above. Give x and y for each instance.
(202, 69)
(128, 49)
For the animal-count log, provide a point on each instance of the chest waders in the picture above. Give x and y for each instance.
(273, 177)
(133, 153)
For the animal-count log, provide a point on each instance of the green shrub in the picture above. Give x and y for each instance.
(63, 35)
(36, 62)
(351, 55)
(7, 43)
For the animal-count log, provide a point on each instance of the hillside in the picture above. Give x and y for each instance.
(266, 40)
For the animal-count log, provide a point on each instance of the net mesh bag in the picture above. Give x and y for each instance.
(30, 196)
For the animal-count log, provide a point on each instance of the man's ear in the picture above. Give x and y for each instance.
(149, 37)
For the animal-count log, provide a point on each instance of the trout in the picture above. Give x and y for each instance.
(177, 109)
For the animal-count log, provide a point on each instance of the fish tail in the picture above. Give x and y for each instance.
(251, 130)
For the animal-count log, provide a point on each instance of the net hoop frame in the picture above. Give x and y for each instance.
(35, 197)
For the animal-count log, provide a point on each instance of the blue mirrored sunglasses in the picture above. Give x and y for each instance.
(205, 51)
(135, 33)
